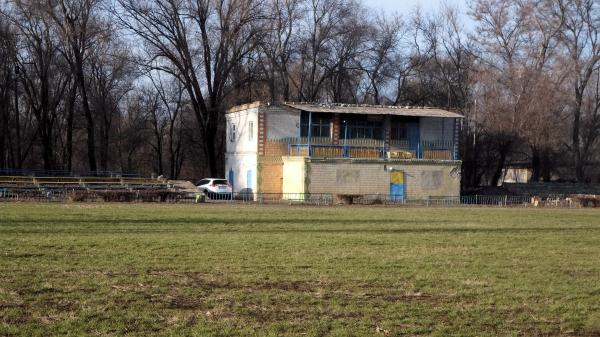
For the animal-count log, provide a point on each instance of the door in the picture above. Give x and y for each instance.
(414, 139)
(397, 186)
(230, 179)
(249, 181)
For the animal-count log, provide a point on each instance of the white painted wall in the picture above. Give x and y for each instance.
(242, 143)
(282, 122)
(241, 164)
(437, 129)
(241, 155)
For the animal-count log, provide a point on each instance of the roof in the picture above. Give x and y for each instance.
(245, 107)
(373, 110)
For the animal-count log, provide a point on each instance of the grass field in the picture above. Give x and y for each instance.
(169, 270)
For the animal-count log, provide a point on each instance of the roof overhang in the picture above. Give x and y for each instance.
(373, 110)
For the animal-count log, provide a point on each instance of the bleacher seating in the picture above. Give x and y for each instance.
(48, 186)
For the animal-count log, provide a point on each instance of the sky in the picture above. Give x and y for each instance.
(404, 7)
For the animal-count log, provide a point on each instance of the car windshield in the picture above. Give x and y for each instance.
(220, 182)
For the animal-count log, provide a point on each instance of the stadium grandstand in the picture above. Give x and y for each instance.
(107, 186)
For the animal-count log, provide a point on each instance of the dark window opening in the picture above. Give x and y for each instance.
(320, 125)
(220, 182)
(362, 127)
(400, 127)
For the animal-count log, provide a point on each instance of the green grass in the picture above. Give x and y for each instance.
(164, 270)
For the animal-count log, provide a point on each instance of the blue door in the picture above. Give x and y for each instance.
(249, 180)
(397, 191)
(230, 179)
(414, 138)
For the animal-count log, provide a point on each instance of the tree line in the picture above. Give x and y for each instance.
(142, 85)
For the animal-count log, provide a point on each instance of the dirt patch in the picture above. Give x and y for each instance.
(185, 303)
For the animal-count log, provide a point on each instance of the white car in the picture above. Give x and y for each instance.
(215, 188)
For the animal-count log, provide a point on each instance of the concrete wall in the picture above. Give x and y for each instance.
(422, 179)
(281, 122)
(437, 129)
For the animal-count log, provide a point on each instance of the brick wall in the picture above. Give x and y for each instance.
(335, 128)
(275, 149)
(270, 175)
(422, 180)
(262, 134)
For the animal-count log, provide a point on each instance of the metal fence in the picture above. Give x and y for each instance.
(317, 199)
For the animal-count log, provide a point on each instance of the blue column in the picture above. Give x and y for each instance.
(345, 151)
(309, 130)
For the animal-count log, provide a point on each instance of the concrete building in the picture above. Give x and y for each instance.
(342, 149)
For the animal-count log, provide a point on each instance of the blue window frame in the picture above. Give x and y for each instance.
(362, 126)
(321, 125)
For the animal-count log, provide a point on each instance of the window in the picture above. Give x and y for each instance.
(232, 133)
(250, 130)
(321, 125)
(360, 127)
(220, 182)
(403, 127)
(399, 131)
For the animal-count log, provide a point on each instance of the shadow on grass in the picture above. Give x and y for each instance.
(275, 227)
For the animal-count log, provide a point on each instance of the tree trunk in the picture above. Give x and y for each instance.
(579, 173)
(173, 155)
(159, 157)
(536, 165)
(104, 140)
(91, 142)
(47, 149)
(503, 150)
(5, 136)
(70, 117)
(546, 165)
(18, 157)
(211, 154)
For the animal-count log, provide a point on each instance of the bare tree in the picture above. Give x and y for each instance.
(517, 44)
(170, 93)
(199, 43)
(111, 76)
(80, 28)
(581, 38)
(279, 45)
(44, 75)
(7, 86)
(381, 61)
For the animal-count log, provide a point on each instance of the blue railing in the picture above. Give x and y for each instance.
(436, 150)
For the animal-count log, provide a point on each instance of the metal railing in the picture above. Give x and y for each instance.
(373, 149)
(320, 199)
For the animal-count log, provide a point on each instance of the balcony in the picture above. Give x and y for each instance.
(369, 149)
